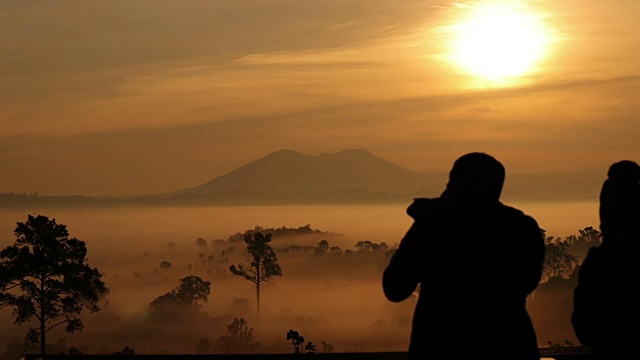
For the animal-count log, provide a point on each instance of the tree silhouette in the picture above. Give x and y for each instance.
(310, 347)
(335, 250)
(181, 301)
(326, 347)
(45, 275)
(588, 237)
(296, 340)
(263, 263)
(367, 246)
(240, 338)
(201, 243)
(192, 288)
(364, 245)
(322, 248)
(165, 265)
(558, 261)
(125, 351)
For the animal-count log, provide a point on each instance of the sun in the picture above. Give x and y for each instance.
(499, 41)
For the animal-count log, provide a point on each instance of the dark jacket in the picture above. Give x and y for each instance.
(606, 312)
(476, 265)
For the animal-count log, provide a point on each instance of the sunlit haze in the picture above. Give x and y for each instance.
(116, 98)
(497, 41)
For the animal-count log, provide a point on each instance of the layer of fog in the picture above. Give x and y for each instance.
(327, 298)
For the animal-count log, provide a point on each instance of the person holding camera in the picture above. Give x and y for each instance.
(476, 260)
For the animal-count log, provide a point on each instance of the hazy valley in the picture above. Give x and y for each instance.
(335, 298)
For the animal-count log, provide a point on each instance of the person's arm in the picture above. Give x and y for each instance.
(522, 258)
(586, 296)
(402, 275)
(533, 260)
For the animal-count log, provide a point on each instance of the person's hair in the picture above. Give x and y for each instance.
(620, 200)
(476, 178)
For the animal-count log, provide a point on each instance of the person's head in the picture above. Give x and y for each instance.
(476, 178)
(620, 199)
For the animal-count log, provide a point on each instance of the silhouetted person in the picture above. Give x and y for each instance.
(476, 261)
(606, 313)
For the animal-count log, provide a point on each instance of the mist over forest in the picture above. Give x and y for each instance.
(329, 292)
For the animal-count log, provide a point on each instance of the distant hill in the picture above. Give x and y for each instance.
(359, 175)
(291, 172)
(354, 176)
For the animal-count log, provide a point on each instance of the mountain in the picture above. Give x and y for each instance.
(291, 172)
(357, 176)
(354, 176)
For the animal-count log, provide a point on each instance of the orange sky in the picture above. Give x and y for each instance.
(125, 97)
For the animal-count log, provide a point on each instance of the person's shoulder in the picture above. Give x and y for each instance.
(593, 262)
(511, 211)
(518, 216)
(598, 254)
(593, 254)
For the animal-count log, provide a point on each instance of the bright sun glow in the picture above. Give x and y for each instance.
(498, 41)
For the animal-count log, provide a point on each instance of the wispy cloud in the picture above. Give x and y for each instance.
(324, 57)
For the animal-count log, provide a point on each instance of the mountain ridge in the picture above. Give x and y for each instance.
(290, 171)
(350, 176)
